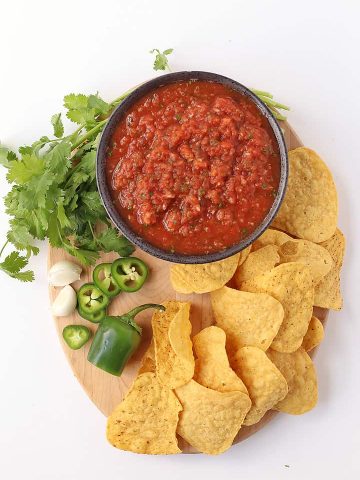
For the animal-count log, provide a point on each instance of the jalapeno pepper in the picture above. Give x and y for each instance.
(129, 273)
(116, 340)
(91, 299)
(103, 279)
(92, 317)
(76, 336)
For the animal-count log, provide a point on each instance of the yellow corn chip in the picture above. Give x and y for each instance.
(291, 284)
(148, 360)
(265, 384)
(256, 263)
(314, 256)
(314, 335)
(212, 368)
(244, 254)
(173, 348)
(310, 206)
(327, 291)
(202, 278)
(210, 420)
(247, 318)
(270, 237)
(300, 375)
(146, 420)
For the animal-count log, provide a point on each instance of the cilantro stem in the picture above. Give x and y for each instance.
(92, 231)
(3, 247)
(261, 93)
(65, 138)
(272, 103)
(89, 134)
(124, 95)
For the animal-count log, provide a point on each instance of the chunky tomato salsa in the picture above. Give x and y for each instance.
(193, 167)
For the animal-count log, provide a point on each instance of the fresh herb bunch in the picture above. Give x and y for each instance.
(54, 194)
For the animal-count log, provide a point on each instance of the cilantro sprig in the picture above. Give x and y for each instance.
(54, 194)
(161, 61)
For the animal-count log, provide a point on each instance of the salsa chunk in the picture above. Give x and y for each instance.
(193, 167)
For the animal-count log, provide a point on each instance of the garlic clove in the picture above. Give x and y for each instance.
(65, 303)
(63, 273)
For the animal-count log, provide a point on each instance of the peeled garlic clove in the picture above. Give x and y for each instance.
(63, 273)
(65, 302)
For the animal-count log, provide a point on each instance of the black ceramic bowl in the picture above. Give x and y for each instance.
(104, 190)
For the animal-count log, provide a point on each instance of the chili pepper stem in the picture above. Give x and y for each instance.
(140, 308)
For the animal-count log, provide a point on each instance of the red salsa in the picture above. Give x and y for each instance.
(193, 167)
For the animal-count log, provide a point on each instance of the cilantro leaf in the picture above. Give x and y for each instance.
(75, 102)
(111, 241)
(27, 276)
(6, 157)
(161, 61)
(20, 237)
(101, 107)
(61, 214)
(56, 122)
(13, 264)
(84, 110)
(37, 187)
(21, 171)
(58, 161)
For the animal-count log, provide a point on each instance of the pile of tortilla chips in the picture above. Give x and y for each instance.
(255, 358)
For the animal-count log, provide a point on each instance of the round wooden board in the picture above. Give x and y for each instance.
(107, 391)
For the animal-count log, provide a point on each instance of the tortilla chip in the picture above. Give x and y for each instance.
(314, 335)
(291, 284)
(300, 375)
(173, 348)
(265, 384)
(314, 256)
(148, 360)
(146, 420)
(270, 237)
(212, 368)
(257, 262)
(247, 318)
(310, 206)
(210, 420)
(203, 278)
(244, 254)
(327, 291)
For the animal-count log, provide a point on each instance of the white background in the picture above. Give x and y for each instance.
(307, 54)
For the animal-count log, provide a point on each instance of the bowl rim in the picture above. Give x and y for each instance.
(120, 111)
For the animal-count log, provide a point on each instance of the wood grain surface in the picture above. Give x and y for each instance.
(107, 391)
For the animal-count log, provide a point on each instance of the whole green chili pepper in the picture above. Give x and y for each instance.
(129, 273)
(116, 340)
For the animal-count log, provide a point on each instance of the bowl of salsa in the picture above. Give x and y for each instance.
(192, 167)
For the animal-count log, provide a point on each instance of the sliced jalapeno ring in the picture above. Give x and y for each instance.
(103, 279)
(91, 299)
(92, 317)
(76, 336)
(129, 273)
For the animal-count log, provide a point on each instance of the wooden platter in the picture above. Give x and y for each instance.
(107, 391)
